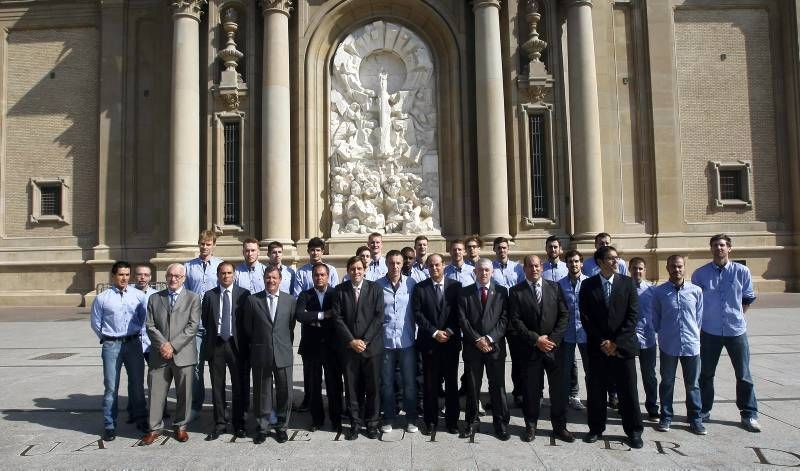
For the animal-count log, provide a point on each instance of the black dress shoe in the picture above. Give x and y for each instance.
(281, 436)
(469, 430)
(529, 435)
(260, 438)
(240, 433)
(314, 428)
(427, 429)
(452, 429)
(502, 434)
(592, 437)
(352, 434)
(564, 435)
(109, 435)
(653, 415)
(635, 442)
(372, 433)
(212, 436)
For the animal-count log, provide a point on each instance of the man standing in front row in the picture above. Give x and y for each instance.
(727, 294)
(358, 313)
(609, 309)
(267, 330)
(483, 316)
(173, 315)
(118, 317)
(222, 310)
(538, 318)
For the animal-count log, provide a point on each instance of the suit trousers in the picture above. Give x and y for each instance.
(160, 379)
(329, 362)
(440, 365)
(605, 372)
(362, 376)
(516, 351)
(532, 383)
(226, 357)
(263, 380)
(496, 374)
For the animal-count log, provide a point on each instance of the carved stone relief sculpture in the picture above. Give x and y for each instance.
(384, 173)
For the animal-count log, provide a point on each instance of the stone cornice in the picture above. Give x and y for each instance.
(478, 4)
(190, 8)
(277, 6)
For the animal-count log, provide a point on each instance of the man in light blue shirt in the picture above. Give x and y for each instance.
(473, 245)
(727, 294)
(590, 267)
(420, 268)
(250, 273)
(304, 276)
(647, 336)
(508, 273)
(553, 268)
(575, 335)
(677, 315)
(288, 276)
(457, 269)
(377, 264)
(117, 318)
(398, 343)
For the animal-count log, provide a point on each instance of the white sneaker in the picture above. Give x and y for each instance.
(386, 428)
(575, 403)
(481, 412)
(751, 424)
(411, 428)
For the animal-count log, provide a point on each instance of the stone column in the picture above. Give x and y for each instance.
(492, 163)
(584, 126)
(184, 156)
(276, 175)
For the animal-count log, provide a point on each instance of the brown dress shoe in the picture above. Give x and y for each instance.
(148, 439)
(181, 435)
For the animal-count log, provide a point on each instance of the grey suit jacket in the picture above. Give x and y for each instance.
(477, 321)
(177, 326)
(266, 342)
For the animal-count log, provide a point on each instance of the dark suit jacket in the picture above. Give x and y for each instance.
(363, 321)
(617, 322)
(477, 321)
(181, 323)
(210, 316)
(315, 334)
(528, 320)
(432, 316)
(268, 342)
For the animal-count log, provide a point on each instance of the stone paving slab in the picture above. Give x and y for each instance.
(51, 420)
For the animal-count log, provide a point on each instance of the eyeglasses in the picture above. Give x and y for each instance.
(611, 259)
(173, 276)
(472, 246)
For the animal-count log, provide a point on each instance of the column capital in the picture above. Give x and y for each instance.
(478, 4)
(576, 3)
(277, 6)
(190, 8)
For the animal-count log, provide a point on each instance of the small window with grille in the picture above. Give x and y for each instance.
(732, 181)
(538, 164)
(232, 173)
(49, 200)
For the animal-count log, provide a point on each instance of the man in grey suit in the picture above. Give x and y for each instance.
(267, 329)
(173, 315)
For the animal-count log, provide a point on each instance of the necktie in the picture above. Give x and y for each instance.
(226, 330)
(271, 299)
(538, 290)
(438, 293)
(484, 295)
(358, 292)
(607, 291)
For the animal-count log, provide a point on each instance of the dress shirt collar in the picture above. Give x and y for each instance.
(273, 295)
(324, 290)
(534, 284)
(722, 267)
(680, 286)
(222, 289)
(610, 279)
(120, 291)
(358, 286)
(479, 286)
(502, 265)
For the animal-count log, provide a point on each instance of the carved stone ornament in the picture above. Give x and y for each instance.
(277, 6)
(533, 93)
(231, 100)
(229, 54)
(384, 162)
(193, 8)
(534, 45)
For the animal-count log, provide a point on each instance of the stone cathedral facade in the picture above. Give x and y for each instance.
(127, 126)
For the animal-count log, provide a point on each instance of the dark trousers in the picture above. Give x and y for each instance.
(362, 378)
(647, 366)
(567, 353)
(532, 384)
(263, 379)
(516, 348)
(440, 365)
(603, 370)
(314, 365)
(496, 374)
(226, 356)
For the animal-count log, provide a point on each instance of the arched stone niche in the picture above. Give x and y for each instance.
(327, 30)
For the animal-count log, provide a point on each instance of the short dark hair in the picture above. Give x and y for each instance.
(498, 241)
(119, 264)
(274, 244)
(147, 265)
(394, 253)
(552, 238)
(674, 257)
(223, 263)
(419, 238)
(272, 268)
(724, 237)
(320, 264)
(250, 240)
(454, 242)
(601, 235)
(475, 238)
(573, 252)
(636, 260)
(315, 243)
(355, 259)
(361, 249)
(603, 252)
(406, 250)
(375, 234)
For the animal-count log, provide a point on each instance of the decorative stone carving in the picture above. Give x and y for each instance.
(231, 84)
(279, 6)
(537, 84)
(193, 8)
(383, 154)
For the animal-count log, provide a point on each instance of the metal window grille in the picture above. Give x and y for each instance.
(730, 185)
(51, 200)
(232, 177)
(539, 177)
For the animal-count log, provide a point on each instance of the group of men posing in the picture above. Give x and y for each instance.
(391, 316)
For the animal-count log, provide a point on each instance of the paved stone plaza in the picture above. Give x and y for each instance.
(51, 385)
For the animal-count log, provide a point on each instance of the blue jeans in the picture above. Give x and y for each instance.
(690, 366)
(569, 368)
(647, 365)
(407, 359)
(738, 350)
(115, 354)
(198, 385)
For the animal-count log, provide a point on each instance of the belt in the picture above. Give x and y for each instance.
(127, 338)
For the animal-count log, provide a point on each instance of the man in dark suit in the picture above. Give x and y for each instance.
(267, 327)
(222, 309)
(318, 347)
(609, 307)
(538, 319)
(483, 319)
(435, 306)
(358, 313)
